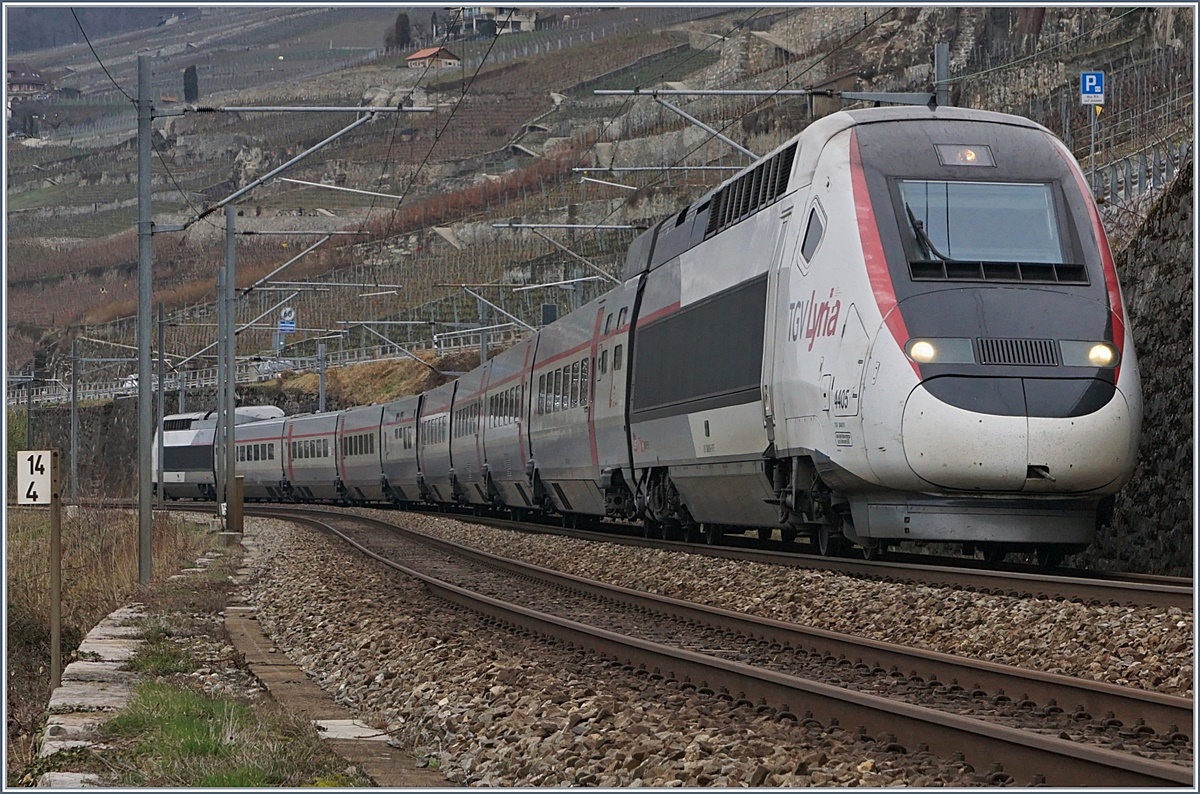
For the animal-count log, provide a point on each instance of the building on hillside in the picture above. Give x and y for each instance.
(25, 82)
(489, 20)
(516, 20)
(433, 57)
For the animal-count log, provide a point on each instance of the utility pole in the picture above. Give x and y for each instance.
(941, 74)
(218, 402)
(29, 408)
(229, 361)
(75, 421)
(321, 376)
(161, 391)
(145, 262)
(483, 334)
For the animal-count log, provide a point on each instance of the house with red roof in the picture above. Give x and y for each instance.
(434, 58)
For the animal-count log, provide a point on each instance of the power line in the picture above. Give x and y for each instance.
(396, 121)
(97, 57)
(438, 136)
(738, 118)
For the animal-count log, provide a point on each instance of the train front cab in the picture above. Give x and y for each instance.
(998, 398)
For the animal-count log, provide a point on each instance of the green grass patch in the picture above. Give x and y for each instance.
(160, 655)
(171, 736)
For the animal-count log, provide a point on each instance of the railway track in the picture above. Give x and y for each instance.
(999, 718)
(1083, 586)
(1089, 587)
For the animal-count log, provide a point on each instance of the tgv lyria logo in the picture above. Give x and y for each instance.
(809, 319)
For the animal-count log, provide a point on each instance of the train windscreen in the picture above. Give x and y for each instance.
(981, 221)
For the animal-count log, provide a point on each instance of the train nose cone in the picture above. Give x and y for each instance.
(952, 447)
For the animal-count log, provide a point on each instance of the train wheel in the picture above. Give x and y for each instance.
(874, 550)
(829, 540)
(1050, 556)
(693, 533)
(652, 529)
(712, 534)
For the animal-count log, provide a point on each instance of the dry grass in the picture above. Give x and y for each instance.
(99, 574)
(383, 381)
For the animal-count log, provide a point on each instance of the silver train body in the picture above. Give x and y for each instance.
(902, 324)
(188, 451)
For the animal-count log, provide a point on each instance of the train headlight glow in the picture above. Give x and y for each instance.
(1089, 354)
(922, 352)
(956, 154)
(1102, 355)
(940, 351)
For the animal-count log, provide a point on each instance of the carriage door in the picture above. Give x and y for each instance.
(778, 278)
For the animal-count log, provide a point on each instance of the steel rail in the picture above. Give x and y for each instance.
(1058, 762)
(1129, 705)
(1122, 589)
(1073, 585)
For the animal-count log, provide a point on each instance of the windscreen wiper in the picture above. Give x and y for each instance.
(919, 229)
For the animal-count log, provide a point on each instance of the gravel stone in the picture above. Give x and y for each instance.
(497, 708)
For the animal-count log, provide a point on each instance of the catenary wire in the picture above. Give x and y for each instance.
(97, 57)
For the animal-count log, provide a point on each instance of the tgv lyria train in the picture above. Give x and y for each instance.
(902, 324)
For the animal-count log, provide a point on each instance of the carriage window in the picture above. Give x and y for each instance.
(558, 389)
(812, 235)
(271, 451)
(583, 382)
(541, 394)
(575, 384)
(621, 318)
(241, 454)
(603, 361)
(324, 447)
(617, 357)
(608, 323)
(255, 450)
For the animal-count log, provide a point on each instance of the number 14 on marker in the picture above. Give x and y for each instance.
(34, 471)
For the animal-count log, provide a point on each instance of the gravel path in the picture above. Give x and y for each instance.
(495, 708)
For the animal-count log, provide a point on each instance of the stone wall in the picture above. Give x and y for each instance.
(1152, 524)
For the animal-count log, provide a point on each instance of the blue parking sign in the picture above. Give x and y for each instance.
(1091, 88)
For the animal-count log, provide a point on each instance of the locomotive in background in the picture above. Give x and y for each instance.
(904, 324)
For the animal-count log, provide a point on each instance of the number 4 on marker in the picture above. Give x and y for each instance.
(30, 493)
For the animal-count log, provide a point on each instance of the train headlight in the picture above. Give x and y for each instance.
(1089, 354)
(922, 351)
(940, 351)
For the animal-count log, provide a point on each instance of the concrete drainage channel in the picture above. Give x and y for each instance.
(96, 687)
